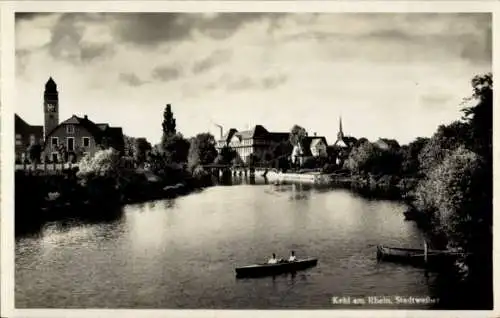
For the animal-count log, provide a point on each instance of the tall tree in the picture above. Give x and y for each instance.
(168, 121)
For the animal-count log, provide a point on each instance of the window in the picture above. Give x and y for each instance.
(19, 142)
(18, 136)
(70, 143)
(86, 142)
(54, 141)
(32, 139)
(70, 129)
(54, 157)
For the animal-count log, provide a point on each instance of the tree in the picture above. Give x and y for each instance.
(141, 149)
(63, 153)
(361, 158)
(168, 121)
(443, 142)
(480, 115)
(226, 156)
(410, 154)
(453, 192)
(129, 145)
(104, 164)
(202, 150)
(175, 148)
(297, 135)
(34, 153)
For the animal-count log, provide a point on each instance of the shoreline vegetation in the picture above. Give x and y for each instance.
(446, 180)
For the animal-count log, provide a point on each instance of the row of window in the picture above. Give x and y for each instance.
(19, 139)
(70, 142)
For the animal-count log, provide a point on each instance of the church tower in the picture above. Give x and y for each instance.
(340, 134)
(50, 107)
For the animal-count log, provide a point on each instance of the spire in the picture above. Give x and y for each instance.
(340, 134)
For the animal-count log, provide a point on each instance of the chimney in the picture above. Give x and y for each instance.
(85, 117)
(314, 134)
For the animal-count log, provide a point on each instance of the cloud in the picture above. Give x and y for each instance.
(153, 29)
(166, 73)
(131, 79)
(216, 58)
(246, 82)
(68, 42)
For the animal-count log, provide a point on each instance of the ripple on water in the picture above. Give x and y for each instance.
(182, 253)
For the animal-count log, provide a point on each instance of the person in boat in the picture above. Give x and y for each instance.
(292, 257)
(273, 260)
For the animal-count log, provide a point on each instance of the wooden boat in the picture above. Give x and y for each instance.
(415, 256)
(275, 269)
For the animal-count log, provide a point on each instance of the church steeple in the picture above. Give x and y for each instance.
(340, 134)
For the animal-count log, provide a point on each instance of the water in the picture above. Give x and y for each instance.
(182, 253)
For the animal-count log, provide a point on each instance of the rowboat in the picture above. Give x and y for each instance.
(415, 256)
(257, 270)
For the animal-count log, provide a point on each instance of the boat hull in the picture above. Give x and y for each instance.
(416, 257)
(259, 270)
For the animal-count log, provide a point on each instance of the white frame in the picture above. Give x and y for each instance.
(70, 129)
(67, 143)
(83, 142)
(52, 141)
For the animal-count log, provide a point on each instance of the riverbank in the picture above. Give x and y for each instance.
(41, 198)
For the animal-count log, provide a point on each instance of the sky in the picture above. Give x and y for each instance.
(388, 75)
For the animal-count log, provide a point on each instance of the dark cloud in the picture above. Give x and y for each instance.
(67, 42)
(216, 58)
(131, 79)
(166, 73)
(156, 28)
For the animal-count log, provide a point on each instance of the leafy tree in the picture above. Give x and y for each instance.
(410, 154)
(129, 145)
(443, 142)
(34, 153)
(453, 191)
(176, 148)
(361, 158)
(102, 174)
(202, 150)
(62, 153)
(480, 115)
(226, 156)
(297, 135)
(141, 149)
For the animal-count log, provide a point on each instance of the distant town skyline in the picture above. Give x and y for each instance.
(390, 75)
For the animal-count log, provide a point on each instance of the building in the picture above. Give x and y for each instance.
(77, 137)
(257, 141)
(70, 139)
(26, 135)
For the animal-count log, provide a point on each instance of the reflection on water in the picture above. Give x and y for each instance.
(182, 253)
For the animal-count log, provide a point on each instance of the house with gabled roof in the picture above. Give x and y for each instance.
(72, 138)
(79, 136)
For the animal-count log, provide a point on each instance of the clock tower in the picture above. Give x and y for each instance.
(50, 107)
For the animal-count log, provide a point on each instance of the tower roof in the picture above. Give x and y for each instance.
(51, 85)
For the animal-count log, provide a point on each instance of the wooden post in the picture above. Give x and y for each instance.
(425, 251)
